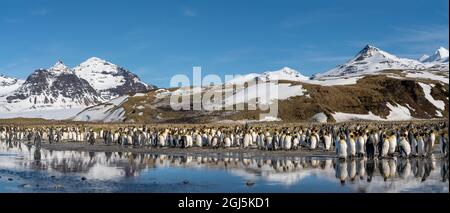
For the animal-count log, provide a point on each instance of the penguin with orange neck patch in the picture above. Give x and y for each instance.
(351, 147)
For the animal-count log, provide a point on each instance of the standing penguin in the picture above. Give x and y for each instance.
(413, 141)
(215, 141)
(236, 140)
(313, 141)
(392, 144)
(227, 141)
(384, 147)
(198, 140)
(161, 140)
(135, 139)
(429, 143)
(247, 140)
(288, 141)
(421, 145)
(370, 145)
(360, 144)
(404, 147)
(327, 141)
(91, 138)
(295, 141)
(275, 141)
(37, 139)
(351, 147)
(260, 141)
(205, 140)
(189, 140)
(51, 136)
(269, 143)
(254, 137)
(342, 148)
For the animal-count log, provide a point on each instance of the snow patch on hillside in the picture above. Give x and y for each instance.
(284, 74)
(9, 85)
(342, 117)
(319, 118)
(427, 90)
(265, 93)
(428, 75)
(397, 113)
(53, 114)
(270, 119)
(335, 81)
(107, 112)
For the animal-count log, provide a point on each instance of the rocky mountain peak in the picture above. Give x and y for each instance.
(441, 55)
(369, 60)
(369, 48)
(60, 67)
(108, 79)
(285, 73)
(96, 62)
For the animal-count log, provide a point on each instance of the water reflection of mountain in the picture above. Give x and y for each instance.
(363, 175)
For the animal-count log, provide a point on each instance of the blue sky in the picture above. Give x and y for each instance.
(158, 39)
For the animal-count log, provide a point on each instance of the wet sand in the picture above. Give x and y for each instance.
(250, 152)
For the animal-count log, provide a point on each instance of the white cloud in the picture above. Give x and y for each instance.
(422, 34)
(12, 21)
(189, 12)
(40, 12)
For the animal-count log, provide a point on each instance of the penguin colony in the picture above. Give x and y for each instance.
(347, 140)
(345, 171)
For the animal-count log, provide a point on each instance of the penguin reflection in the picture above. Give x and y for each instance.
(422, 168)
(37, 155)
(404, 168)
(341, 171)
(108, 156)
(91, 157)
(361, 167)
(393, 167)
(352, 170)
(419, 168)
(444, 170)
(385, 169)
(370, 169)
(428, 167)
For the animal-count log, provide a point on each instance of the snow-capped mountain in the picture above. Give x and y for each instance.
(97, 90)
(54, 88)
(372, 59)
(379, 97)
(285, 73)
(8, 84)
(440, 56)
(110, 80)
(438, 61)
(423, 58)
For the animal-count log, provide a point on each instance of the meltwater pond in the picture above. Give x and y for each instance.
(25, 169)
